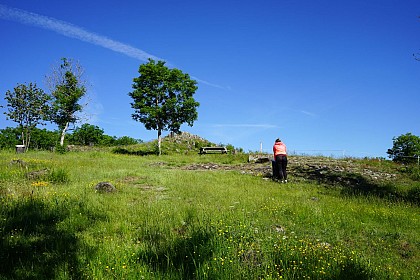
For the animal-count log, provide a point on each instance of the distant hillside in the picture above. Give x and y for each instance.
(183, 143)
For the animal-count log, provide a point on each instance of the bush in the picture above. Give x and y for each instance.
(414, 172)
(60, 149)
(126, 140)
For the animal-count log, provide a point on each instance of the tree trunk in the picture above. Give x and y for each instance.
(23, 138)
(28, 142)
(63, 134)
(159, 140)
(22, 134)
(27, 138)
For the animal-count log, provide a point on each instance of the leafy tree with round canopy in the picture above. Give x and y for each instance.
(163, 98)
(406, 148)
(87, 134)
(28, 106)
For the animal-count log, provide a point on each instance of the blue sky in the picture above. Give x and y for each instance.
(327, 77)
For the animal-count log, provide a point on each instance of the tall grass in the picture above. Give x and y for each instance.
(165, 222)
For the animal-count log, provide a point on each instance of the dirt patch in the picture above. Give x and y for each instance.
(133, 179)
(249, 168)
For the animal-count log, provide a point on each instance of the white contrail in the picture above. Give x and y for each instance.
(208, 83)
(70, 30)
(307, 113)
(73, 31)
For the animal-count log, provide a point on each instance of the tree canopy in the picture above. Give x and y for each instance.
(406, 148)
(163, 98)
(28, 106)
(87, 134)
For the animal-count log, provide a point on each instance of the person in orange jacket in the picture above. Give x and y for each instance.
(280, 157)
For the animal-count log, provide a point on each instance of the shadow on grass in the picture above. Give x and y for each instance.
(35, 246)
(354, 184)
(307, 263)
(354, 271)
(179, 258)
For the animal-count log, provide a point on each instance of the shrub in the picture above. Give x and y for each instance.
(60, 149)
(126, 140)
(415, 173)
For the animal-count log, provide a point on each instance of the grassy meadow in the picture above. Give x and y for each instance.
(169, 222)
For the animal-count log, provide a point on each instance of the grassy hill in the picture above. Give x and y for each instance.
(189, 216)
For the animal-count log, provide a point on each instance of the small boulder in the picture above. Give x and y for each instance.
(105, 187)
(38, 174)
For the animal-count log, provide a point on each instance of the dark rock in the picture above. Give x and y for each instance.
(105, 187)
(33, 175)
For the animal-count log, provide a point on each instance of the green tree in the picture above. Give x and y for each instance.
(43, 139)
(87, 134)
(67, 89)
(28, 106)
(126, 140)
(163, 98)
(406, 148)
(107, 140)
(9, 137)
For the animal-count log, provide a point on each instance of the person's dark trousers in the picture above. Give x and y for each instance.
(281, 162)
(275, 169)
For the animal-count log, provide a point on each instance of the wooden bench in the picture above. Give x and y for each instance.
(213, 150)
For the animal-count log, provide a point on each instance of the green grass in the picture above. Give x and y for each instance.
(166, 222)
